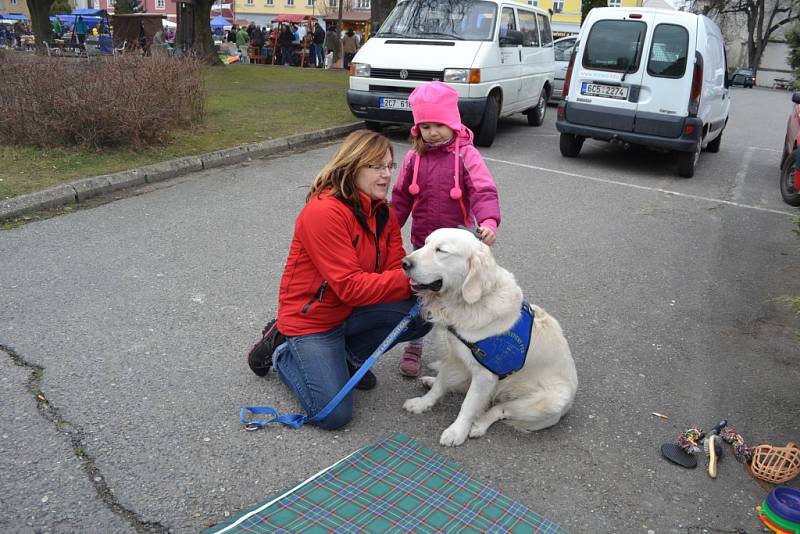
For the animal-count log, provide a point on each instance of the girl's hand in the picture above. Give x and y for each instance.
(487, 236)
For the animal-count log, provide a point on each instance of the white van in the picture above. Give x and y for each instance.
(497, 54)
(652, 77)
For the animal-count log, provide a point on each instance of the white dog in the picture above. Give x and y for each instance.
(468, 296)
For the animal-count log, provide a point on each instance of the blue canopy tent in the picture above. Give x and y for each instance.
(219, 23)
(13, 16)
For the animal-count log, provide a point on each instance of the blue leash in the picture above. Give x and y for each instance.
(296, 420)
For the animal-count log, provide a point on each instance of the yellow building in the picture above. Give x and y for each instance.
(566, 18)
(15, 6)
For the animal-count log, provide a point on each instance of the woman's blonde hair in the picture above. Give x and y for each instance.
(359, 149)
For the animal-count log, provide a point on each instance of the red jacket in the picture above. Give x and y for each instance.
(333, 266)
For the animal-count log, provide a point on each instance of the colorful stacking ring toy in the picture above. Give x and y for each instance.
(780, 511)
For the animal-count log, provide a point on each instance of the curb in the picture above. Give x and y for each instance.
(86, 188)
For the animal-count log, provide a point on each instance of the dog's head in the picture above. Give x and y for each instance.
(452, 260)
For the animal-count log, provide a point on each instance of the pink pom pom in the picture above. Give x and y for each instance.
(455, 193)
(413, 189)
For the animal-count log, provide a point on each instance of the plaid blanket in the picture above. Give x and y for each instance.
(394, 485)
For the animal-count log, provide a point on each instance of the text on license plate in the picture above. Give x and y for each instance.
(601, 89)
(394, 103)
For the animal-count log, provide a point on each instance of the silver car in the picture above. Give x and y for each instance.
(562, 48)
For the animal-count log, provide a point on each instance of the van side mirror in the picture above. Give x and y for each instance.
(796, 98)
(511, 38)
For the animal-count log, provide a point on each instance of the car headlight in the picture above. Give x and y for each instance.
(462, 75)
(361, 69)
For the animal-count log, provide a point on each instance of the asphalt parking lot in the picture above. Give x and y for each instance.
(127, 325)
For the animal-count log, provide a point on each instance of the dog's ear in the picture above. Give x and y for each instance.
(475, 282)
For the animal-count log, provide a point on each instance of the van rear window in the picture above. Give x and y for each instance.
(669, 51)
(615, 45)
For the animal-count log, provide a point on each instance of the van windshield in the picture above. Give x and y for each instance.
(441, 19)
(615, 45)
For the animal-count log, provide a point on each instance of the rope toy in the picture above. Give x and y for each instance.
(690, 440)
(741, 451)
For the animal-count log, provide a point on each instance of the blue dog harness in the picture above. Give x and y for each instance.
(505, 353)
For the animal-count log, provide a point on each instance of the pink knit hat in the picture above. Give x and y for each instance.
(435, 102)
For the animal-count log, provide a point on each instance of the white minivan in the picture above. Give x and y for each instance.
(652, 77)
(497, 54)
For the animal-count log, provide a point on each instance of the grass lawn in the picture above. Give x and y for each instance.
(246, 104)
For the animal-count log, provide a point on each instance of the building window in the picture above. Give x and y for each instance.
(331, 3)
(558, 6)
(267, 2)
(363, 4)
(249, 2)
(289, 3)
(161, 4)
(614, 3)
(310, 3)
(534, 3)
(13, 2)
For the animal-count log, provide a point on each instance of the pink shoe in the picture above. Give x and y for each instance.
(411, 362)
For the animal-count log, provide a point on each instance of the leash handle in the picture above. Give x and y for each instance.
(297, 420)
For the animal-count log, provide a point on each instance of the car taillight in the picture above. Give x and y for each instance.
(568, 76)
(797, 179)
(697, 86)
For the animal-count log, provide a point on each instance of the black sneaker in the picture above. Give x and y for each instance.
(368, 381)
(260, 356)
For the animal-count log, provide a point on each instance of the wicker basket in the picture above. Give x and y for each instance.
(776, 465)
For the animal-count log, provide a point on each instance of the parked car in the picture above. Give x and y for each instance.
(744, 77)
(497, 55)
(562, 49)
(649, 77)
(790, 161)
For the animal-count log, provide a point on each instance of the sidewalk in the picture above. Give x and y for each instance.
(86, 188)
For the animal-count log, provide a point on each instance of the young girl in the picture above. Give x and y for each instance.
(443, 181)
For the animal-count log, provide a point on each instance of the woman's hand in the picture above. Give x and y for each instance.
(487, 235)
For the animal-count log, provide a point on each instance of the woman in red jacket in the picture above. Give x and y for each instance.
(343, 289)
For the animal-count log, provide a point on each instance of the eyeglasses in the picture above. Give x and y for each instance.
(382, 168)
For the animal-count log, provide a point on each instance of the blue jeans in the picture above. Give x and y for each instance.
(316, 55)
(314, 366)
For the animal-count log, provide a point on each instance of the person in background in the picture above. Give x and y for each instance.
(333, 44)
(80, 30)
(231, 37)
(318, 45)
(242, 40)
(350, 46)
(285, 43)
(343, 288)
(58, 30)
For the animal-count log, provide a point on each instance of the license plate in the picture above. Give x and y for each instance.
(607, 91)
(394, 103)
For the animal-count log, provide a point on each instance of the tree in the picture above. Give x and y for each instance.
(60, 7)
(194, 30)
(587, 5)
(125, 7)
(763, 19)
(40, 21)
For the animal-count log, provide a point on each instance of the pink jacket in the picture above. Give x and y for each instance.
(446, 197)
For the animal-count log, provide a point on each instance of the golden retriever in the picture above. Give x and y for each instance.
(460, 286)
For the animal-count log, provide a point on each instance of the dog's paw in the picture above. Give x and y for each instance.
(478, 429)
(417, 405)
(427, 381)
(453, 436)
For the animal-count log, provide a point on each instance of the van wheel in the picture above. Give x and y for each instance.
(788, 191)
(570, 145)
(536, 115)
(713, 146)
(687, 162)
(372, 125)
(488, 127)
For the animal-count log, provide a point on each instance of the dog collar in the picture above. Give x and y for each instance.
(504, 353)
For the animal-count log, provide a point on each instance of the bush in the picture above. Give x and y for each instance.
(114, 101)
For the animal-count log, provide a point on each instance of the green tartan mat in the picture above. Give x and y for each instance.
(394, 485)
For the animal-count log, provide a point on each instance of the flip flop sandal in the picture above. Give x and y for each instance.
(675, 454)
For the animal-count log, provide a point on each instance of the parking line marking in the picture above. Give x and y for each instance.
(641, 187)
